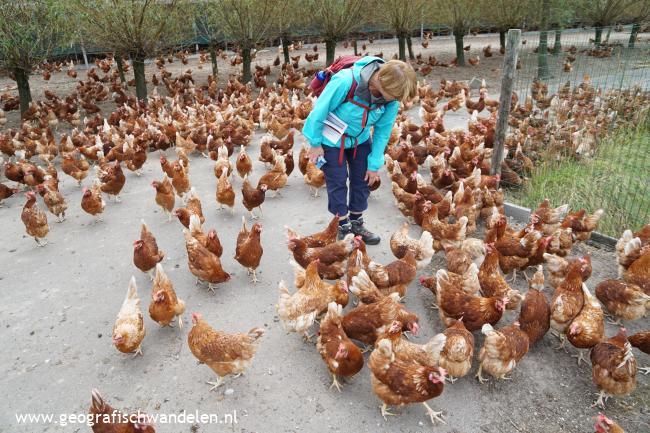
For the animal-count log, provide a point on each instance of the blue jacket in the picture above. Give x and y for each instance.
(381, 117)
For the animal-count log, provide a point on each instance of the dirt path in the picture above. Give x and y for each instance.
(63, 299)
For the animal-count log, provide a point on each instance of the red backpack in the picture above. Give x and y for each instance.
(321, 78)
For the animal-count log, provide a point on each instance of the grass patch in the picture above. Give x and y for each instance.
(616, 178)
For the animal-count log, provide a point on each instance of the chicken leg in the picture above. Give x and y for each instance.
(138, 351)
(180, 322)
(479, 376)
(581, 357)
(254, 280)
(433, 415)
(644, 370)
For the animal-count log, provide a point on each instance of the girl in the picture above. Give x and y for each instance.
(363, 96)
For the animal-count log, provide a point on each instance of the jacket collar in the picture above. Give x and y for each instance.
(362, 91)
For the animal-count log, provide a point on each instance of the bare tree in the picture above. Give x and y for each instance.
(460, 15)
(334, 19)
(247, 22)
(207, 26)
(290, 23)
(505, 15)
(638, 13)
(134, 28)
(29, 30)
(603, 13)
(402, 17)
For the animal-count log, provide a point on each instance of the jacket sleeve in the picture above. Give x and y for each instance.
(333, 95)
(381, 134)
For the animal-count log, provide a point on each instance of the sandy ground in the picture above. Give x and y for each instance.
(63, 300)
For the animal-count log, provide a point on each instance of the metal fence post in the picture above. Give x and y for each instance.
(507, 82)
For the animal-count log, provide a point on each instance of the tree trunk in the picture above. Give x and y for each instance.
(609, 32)
(557, 45)
(354, 45)
(542, 49)
(330, 49)
(502, 39)
(120, 67)
(25, 95)
(409, 45)
(460, 53)
(633, 34)
(215, 65)
(285, 49)
(599, 35)
(401, 41)
(83, 51)
(140, 80)
(246, 64)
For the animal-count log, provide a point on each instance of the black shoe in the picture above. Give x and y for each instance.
(359, 230)
(344, 230)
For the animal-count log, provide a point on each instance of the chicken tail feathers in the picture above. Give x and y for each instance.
(97, 401)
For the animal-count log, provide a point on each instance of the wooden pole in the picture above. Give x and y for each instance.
(507, 82)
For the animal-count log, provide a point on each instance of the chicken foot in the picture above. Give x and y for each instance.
(602, 398)
(433, 415)
(385, 412)
(138, 351)
(216, 384)
(581, 357)
(616, 321)
(41, 243)
(644, 370)
(335, 383)
(254, 272)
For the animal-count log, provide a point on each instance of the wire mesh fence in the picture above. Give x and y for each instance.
(580, 131)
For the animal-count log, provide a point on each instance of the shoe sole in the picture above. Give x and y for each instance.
(373, 242)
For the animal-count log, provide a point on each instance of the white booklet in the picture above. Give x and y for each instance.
(333, 128)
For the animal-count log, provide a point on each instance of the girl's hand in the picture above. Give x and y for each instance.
(371, 177)
(314, 152)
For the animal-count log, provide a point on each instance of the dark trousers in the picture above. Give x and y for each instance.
(340, 202)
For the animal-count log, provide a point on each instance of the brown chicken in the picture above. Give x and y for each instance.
(327, 255)
(401, 242)
(225, 193)
(92, 201)
(454, 303)
(244, 164)
(180, 178)
(366, 322)
(549, 217)
(314, 177)
(6, 192)
(398, 273)
(35, 220)
(210, 241)
(427, 354)
(641, 340)
(469, 281)
(194, 205)
(75, 168)
(588, 327)
(112, 179)
(253, 197)
(165, 305)
(582, 224)
(613, 367)
(145, 251)
(456, 355)
(397, 382)
(535, 313)
(224, 353)
(203, 264)
(320, 239)
(606, 425)
(567, 301)
(165, 197)
(248, 251)
(502, 350)
(298, 312)
(53, 200)
(276, 178)
(129, 330)
(342, 356)
(108, 420)
(492, 282)
(623, 300)
(639, 271)
(558, 266)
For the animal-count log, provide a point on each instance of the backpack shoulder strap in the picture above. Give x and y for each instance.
(353, 87)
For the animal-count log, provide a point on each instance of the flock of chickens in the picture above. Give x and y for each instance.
(471, 293)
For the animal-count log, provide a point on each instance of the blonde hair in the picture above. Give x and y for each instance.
(398, 79)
